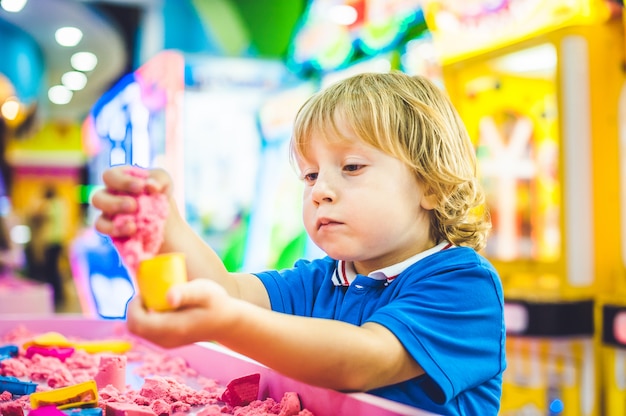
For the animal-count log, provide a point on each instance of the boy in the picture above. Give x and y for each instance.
(403, 306)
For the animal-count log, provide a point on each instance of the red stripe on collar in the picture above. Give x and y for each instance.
(344, 276)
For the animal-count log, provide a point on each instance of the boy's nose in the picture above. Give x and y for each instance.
(323, 192)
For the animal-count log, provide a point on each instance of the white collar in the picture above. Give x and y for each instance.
(345, 274)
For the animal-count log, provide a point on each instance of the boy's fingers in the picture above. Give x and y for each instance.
(120, 179)
(158, 181)
(106, 225)
(134, 180)
(103, 225)
(111, 205)
(196, 293)
(137, 319)
(151, 325)
(193, 293)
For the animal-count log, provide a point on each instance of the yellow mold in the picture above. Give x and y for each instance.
(155, 276)
(79, 395)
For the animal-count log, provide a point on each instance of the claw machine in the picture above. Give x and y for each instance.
(536, 84)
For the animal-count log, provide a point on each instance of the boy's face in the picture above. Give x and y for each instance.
(361, 204)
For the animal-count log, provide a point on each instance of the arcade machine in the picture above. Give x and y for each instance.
(612, 305)
(536, 84)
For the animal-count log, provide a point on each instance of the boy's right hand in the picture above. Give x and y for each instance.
(121, 185)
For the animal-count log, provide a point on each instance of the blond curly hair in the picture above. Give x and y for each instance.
(410, 118)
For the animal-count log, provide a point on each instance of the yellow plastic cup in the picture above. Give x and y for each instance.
(156, 275)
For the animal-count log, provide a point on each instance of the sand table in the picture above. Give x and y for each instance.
(139, 381)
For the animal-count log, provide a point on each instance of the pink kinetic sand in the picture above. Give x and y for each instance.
(290, 404)
(11, 409)
(141, 382)
(242, 391)
(128, 409)
(112, 370)
(152, 209)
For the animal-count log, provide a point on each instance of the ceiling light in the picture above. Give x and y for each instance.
(74, 80)
(84, 61)
(13, 6)
(60, 94)
(68, 36)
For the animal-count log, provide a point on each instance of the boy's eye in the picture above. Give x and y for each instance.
(310, 177)
(352, 168)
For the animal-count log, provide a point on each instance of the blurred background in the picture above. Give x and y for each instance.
(73, 102)
(208, 89)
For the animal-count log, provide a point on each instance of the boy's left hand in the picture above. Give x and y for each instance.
(201, 310)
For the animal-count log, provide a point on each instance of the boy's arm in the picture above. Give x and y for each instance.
(322, 352)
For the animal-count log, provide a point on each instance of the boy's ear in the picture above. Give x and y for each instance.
(429, 201)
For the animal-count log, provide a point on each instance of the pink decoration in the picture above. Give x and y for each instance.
(62, 353)
(46, 411)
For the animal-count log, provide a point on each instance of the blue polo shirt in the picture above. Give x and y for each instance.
(446, 308)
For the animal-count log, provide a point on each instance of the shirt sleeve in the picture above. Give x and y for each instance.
(295, 291)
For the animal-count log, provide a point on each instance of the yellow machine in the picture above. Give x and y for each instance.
(612, 302)
(538, 83)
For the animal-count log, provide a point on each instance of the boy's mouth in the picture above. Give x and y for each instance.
(325, 222)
